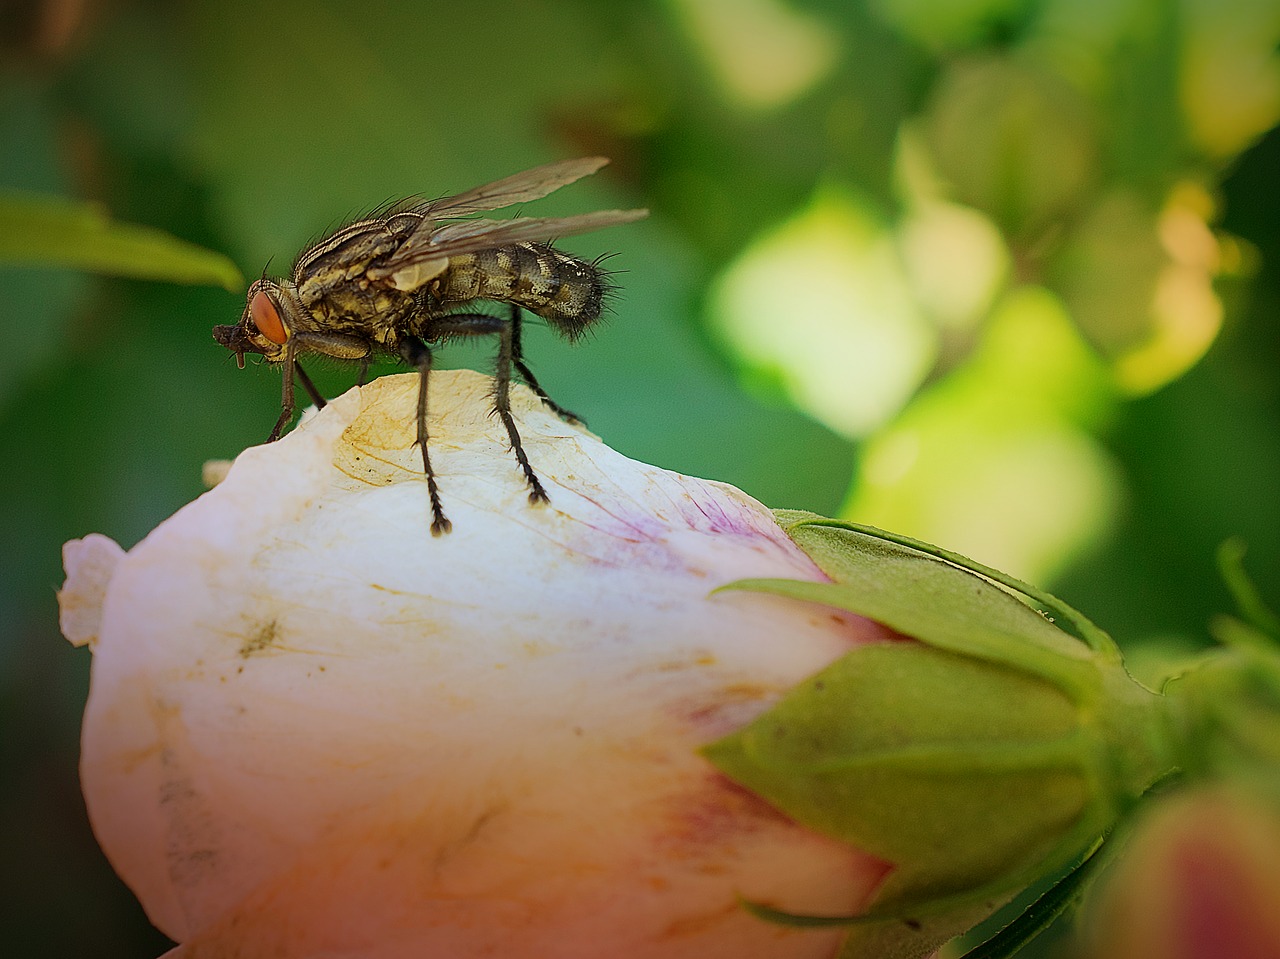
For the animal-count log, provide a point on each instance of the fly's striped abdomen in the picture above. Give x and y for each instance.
(564, 290)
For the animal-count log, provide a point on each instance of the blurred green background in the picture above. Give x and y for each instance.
(999, 274)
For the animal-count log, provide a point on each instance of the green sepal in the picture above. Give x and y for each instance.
(1227, 708)
(1226, 704)
(56, 231)
(884, 937)
(1255, 612)
(965, 774)
(1233, 632)
(841, 549)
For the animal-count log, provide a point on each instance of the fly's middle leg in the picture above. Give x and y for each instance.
(418, 354)
(316, 396)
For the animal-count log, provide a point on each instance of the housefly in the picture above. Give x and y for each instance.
(414, 276)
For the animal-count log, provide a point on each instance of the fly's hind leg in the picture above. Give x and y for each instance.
(479, 324)
(507, 340)
(418, 354)
(517, 359)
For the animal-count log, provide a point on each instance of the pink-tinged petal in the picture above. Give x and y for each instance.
(315, 729)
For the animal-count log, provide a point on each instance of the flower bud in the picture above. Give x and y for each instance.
(315, 729)
(985, 748)
(1199, 879)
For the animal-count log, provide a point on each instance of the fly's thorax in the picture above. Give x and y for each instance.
(561, 288)
(369, 311)
(344, 256)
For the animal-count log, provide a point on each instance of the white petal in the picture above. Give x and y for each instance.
(315, 729)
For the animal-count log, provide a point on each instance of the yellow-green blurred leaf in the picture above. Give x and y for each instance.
(1139, 282)
(948, 24)
(1230, 82)
(1014, 140)
(55, 231)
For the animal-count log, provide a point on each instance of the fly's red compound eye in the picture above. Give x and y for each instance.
(266, 318)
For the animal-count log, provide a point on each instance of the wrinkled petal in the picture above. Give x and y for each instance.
(90, 563)
(313, 728)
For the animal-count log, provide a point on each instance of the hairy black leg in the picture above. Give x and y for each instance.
(362, 377)
(502, 403)
(418, 354)
(517, 358)
(286, 398)
(307, 385)
(479, 324)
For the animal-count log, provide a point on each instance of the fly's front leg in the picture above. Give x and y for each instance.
(479, 324)
(286, 396)
(338, 345)
(418, 354)
(517, 358)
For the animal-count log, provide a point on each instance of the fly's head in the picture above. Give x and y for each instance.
(265, 326)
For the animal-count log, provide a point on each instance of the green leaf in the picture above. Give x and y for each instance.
(1042, 913)
(55, 231)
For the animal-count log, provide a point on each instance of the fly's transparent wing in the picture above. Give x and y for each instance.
(467, 236)
(471, 236)
(519, 188)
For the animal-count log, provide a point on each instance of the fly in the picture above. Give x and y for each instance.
(412, 278)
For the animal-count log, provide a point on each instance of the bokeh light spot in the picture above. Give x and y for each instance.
(994, 460)
(763, 53)
(822, 305)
